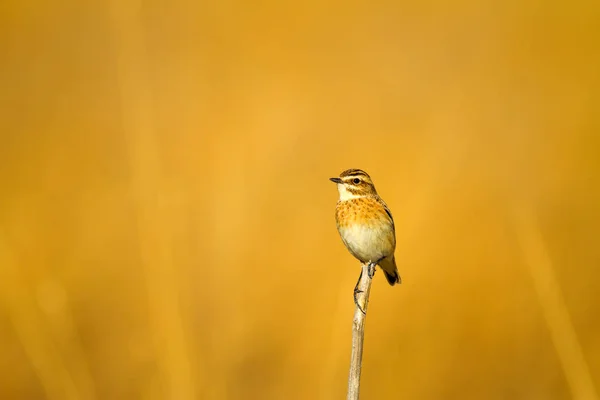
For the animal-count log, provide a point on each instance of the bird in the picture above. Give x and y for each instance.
(366, 226)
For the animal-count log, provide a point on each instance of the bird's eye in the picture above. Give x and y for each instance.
(356, 181)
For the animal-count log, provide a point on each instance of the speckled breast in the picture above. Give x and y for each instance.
(365, 228)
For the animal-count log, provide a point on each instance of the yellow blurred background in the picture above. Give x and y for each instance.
(167, 224)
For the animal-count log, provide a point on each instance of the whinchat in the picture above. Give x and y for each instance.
(365, 224)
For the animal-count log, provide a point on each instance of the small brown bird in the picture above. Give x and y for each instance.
(365, 224)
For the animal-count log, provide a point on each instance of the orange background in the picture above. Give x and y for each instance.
(166, 219)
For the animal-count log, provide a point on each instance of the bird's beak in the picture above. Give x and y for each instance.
(335, 180)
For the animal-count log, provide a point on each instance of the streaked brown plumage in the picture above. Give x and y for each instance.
(365, 222)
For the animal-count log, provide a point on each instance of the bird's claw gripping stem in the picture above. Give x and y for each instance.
(371, 269)
(371, 273)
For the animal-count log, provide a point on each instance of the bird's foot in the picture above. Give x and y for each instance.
(371, 269)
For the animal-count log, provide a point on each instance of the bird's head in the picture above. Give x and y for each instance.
(354, 183)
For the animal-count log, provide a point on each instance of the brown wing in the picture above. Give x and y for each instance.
(389, 213)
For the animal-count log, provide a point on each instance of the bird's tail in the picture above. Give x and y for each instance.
(388, 266)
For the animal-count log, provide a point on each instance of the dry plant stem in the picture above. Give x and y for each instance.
(358, 335)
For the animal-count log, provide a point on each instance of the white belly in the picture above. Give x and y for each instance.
(368, 243)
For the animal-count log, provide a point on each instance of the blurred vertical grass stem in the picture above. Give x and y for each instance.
(153, 225)
(554, 309)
